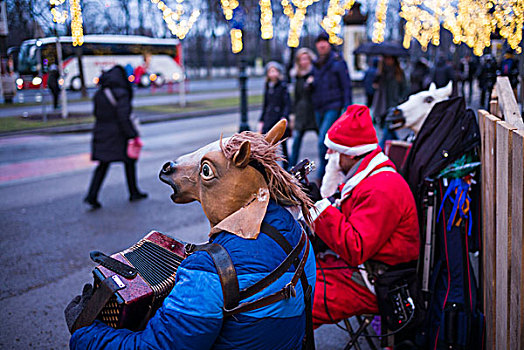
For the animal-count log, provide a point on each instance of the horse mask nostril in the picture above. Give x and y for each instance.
(168, 168)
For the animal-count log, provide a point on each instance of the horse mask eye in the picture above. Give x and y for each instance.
(429, 99)
(207, 173)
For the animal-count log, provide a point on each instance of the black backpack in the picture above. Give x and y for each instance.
(453, 318)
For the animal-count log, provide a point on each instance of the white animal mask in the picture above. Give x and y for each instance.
(416, 109)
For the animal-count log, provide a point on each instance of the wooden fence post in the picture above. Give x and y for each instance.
(503, 230)
(489, 202)
(516, 300)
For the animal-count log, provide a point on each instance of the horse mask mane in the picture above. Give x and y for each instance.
(233, 180)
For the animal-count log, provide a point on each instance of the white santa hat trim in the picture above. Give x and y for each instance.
(350, 151)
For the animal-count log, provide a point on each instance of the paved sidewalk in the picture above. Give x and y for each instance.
(87, 106)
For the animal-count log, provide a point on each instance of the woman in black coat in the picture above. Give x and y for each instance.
(303, 106)
(113, 129)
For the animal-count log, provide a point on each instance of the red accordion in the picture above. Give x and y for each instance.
(156, 258)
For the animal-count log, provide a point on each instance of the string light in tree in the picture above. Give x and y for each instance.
(178, 26)
(236, 40)
(509, 18)
(470, 21)
(227, 7)
(296, 18)
(471, 25)
(422, 24)
(77, 30)
(331, 22)
(58, 16)
(380, 23)
(266, 19)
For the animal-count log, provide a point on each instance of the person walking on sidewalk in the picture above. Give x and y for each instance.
(303, 105)
(52, 84)
(113, 129)
(331, 92)
(277, 103)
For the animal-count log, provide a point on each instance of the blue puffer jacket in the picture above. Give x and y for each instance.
(191, 316)
(332, 84)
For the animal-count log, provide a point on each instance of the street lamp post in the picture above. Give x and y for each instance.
(242, 78)
(63, 93)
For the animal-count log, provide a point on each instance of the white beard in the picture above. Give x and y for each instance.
(333, 176)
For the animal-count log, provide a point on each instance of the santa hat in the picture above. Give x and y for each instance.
(353, 133)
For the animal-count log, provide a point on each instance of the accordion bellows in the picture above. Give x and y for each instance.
(156, 258)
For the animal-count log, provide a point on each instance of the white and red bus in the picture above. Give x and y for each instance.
(147, 60)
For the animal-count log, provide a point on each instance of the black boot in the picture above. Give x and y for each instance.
(96, 183)
(134, 192)
(93, 203)
(137, 196)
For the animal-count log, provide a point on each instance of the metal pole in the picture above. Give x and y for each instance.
(63, 94)
(40, 74)
(182, 89)
(83, 90)
(242, 78)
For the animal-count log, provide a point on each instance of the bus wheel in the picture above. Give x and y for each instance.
(76, 83)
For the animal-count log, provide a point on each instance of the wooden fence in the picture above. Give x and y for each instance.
(502, 156)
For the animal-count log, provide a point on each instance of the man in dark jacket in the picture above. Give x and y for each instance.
(113, 129)
(487, 79)
(443, 73)
(331, 92)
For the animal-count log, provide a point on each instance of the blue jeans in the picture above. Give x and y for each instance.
(297, 142)
(324, 121)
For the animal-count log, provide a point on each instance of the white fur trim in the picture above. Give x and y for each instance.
(319, 207)
(350, 151)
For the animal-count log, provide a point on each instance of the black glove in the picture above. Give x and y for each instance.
(75, 307)
(312, 191)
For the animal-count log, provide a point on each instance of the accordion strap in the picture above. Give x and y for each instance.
(96, 303)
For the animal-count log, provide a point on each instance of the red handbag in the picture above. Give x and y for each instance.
(134, 146)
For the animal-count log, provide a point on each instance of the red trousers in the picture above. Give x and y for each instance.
(337, 293)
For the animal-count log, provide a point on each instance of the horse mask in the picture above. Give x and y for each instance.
(412, 113)
(233, 179)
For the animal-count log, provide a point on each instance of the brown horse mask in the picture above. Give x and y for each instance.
(233, 179)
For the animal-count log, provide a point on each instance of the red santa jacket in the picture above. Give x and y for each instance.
(376, 220)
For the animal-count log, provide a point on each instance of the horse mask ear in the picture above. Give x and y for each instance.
(275, 134)
(241, 157)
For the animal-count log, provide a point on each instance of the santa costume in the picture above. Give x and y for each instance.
(375, 219)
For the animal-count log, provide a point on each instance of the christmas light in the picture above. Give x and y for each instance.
(177, 26)
(77, 31)
(58, 16)
(266, 18)
(236, 40)
(470, 22)
(331, 22)
(380, 23)
(227, 7)
(296, 18)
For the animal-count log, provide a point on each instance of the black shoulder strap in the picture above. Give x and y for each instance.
(275, 234)
(225, 268)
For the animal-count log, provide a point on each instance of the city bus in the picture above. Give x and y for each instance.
(147, 60)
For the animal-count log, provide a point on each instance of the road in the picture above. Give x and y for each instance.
(198, 90)
(47, 233)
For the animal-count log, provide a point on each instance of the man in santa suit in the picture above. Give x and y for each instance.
(372, 218)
